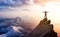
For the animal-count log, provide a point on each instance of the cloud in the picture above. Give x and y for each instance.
(13, 3)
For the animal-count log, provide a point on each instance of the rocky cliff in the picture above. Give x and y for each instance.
(44, 29)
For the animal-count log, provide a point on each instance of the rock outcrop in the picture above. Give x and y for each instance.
(44, 29)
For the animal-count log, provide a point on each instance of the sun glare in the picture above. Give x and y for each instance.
(53, 13)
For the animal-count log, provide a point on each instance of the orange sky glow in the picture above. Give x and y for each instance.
(53, 7)
(36, 12)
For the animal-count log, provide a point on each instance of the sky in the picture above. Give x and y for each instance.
(33, 9)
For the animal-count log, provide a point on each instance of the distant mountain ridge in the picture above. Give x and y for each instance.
(12, 25)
